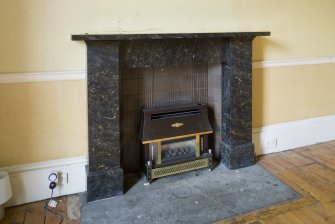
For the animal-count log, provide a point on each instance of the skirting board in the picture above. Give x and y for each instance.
(30, 182)
(285, 136)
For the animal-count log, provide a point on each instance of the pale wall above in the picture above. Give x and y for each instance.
(36, 35)
(47, 120)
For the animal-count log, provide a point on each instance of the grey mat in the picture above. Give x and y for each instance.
(195, 197)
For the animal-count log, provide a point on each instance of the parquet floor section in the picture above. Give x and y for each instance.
(311, 172)
(66, 212)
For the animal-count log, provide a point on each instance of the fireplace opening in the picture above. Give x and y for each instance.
(163, 87)
(175, 140)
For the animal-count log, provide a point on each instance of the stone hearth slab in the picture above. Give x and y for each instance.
(194, 197)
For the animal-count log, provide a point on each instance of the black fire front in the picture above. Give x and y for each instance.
(175, 140)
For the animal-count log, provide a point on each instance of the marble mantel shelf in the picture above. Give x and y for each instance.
(160, 36)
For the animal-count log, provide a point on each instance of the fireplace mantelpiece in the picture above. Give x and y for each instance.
(109, 55)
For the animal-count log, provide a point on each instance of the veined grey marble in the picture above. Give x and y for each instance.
(110, 55)
(162, 36)
(105, 177)
(237, 149)
(158, 53)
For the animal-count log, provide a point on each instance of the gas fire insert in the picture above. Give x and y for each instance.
(175, 140)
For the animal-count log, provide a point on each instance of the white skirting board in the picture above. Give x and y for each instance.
(280, 137)
(30, 182)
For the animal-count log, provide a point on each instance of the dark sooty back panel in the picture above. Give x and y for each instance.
(160, 87)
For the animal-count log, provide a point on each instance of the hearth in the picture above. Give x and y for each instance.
(129, 73)
(175, 140)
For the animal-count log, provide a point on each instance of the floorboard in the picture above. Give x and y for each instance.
(311, 172)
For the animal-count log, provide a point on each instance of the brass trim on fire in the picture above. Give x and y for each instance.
(197, 145)
(177, 137)
(179, 168)
(159, 152)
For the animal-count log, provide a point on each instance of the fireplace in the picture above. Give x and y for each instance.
(128, 73)
(175, 140)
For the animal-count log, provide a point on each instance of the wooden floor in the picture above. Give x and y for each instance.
(66, 212)
(309, 170)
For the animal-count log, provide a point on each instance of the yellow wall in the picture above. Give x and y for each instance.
(293, 93)
(41, 121)
(35, 34)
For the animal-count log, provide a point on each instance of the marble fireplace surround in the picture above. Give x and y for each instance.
(110, 58)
